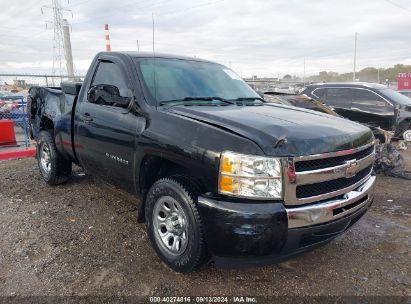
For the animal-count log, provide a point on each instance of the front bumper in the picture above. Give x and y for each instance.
(250, 233)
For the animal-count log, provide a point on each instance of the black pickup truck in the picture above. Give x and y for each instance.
(220, 172)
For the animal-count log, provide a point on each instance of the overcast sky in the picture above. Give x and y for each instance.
(254, 37)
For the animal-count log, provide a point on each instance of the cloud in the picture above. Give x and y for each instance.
(253, 37)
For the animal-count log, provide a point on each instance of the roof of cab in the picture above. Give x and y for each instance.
(154, 55)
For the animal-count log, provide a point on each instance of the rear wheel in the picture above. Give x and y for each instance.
(54, 168)
(174, 224)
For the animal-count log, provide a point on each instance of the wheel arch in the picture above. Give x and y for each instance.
(155, 167)
(46, 124)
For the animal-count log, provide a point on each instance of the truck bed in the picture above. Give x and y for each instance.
(53, 106)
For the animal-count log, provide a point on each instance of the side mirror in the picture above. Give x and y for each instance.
(260, 93)
(91, 95)
(397, 109)
(105, 94)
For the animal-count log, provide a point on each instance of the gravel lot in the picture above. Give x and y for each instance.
(82, 238)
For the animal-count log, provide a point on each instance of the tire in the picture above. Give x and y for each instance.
(180, 223)
(54, 168)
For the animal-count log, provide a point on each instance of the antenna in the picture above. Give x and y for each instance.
(152, 18)
(154, 66)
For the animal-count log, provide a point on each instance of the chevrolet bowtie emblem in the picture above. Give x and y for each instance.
(352, 168)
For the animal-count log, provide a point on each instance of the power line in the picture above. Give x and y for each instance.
(183, 10)
(116, 10)
(398, 5)
(79, 3)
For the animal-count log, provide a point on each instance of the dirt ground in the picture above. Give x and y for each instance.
(82, 238)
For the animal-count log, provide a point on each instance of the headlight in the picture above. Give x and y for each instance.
(250, 176)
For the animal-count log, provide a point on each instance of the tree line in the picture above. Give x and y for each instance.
(369, 74)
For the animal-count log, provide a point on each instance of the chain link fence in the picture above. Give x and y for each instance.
(22, 82)
(273, 85)
(16, 83)
(14, 125)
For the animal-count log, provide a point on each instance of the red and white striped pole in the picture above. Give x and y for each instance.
(108, 45)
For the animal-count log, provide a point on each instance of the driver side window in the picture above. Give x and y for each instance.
(368, 101)
(339, 97)
(110, 81)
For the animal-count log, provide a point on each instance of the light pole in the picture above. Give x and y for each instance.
(304, 74)
(355, 56)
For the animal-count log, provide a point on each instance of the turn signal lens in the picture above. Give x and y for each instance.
(227, 165)
(226, 184)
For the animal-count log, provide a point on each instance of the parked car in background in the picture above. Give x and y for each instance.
(305, 102)
(405, 92)
(7, 108)
(388, 158)
(368, 103)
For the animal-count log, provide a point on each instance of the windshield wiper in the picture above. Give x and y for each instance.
(194, 98)
(248, 99)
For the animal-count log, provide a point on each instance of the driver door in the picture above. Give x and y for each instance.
(105, 130)
(369, 108)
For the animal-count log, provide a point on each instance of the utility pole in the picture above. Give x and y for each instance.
(138, 47)
(304, 73)
(378, 74)
(67, 49)
(58, 43)
(355, 56)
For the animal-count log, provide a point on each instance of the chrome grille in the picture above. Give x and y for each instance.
(328, 175)
(322, 163)
(332, 185)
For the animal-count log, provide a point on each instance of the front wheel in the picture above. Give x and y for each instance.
(54, 168)
(174, 224)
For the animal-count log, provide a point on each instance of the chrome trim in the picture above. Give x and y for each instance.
(251, 176)
(322, 175)
(323, 212)
(311, 199)
(334, 154)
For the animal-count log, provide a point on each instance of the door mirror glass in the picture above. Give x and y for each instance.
(109, 95)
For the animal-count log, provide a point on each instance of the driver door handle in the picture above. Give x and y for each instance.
(87, 117)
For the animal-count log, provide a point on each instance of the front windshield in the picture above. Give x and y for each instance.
(396, 97)
(170, 80)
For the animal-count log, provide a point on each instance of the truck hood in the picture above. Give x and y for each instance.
(281, 130)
